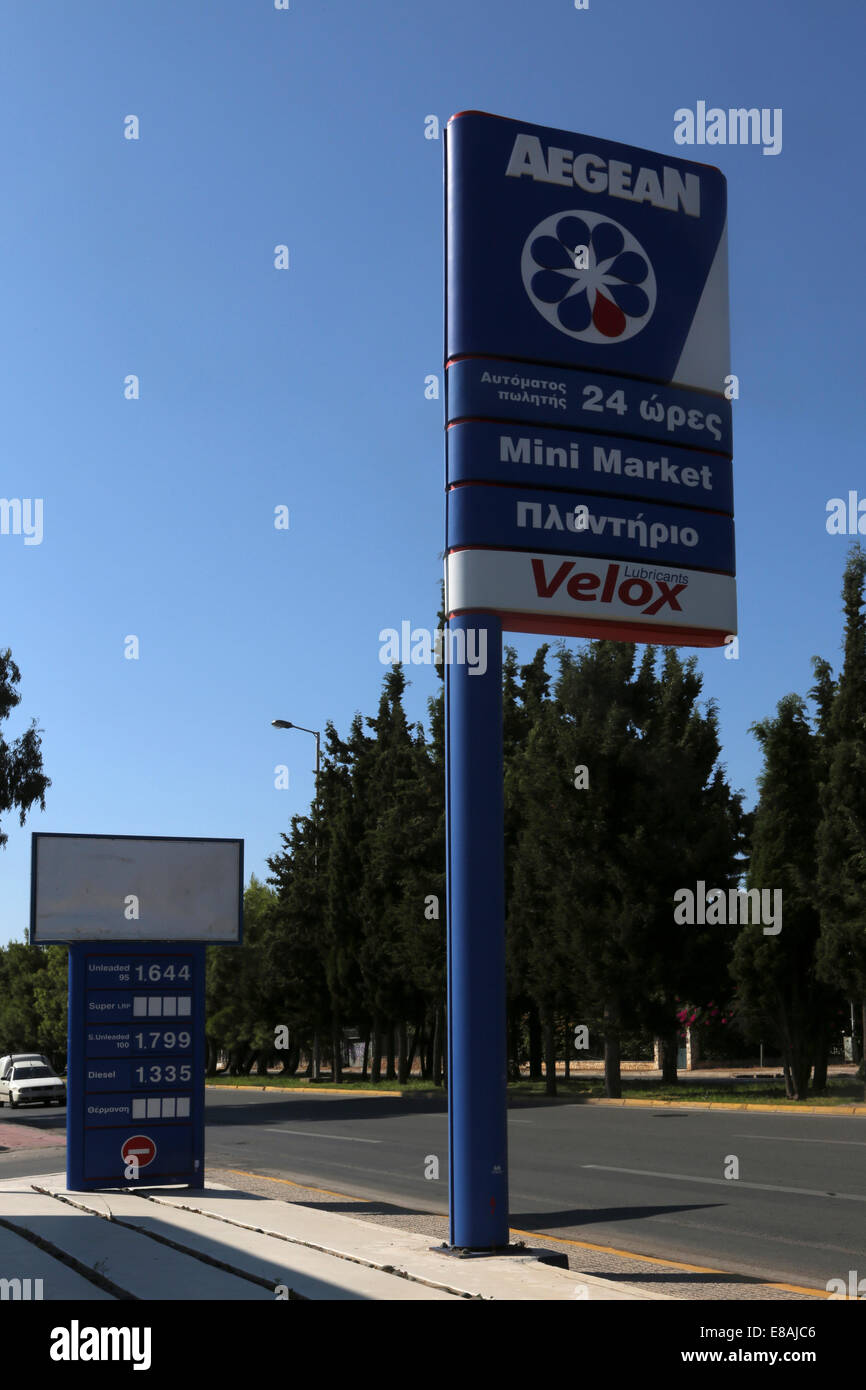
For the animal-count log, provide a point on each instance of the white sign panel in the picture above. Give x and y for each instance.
(627, 599)
(135, 888)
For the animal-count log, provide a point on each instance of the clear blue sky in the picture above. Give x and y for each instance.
(306, 387)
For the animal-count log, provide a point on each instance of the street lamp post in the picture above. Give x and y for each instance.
(286, 724)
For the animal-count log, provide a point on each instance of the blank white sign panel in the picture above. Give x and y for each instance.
(90, 888)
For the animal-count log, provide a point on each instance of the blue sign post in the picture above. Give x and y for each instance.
(477, 1062)
(589, 494)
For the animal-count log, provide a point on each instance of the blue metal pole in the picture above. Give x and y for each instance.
(477, 1061)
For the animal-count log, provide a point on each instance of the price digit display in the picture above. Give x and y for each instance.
(161, 1039)
(157, 973)
(157, 1073)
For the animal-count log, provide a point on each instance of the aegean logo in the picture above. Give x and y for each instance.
(588, 276)
(670, 190)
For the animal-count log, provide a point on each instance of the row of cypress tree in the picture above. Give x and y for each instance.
(616, 797)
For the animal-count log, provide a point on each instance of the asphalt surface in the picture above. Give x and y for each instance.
(645, 1181)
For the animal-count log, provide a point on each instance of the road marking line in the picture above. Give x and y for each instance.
(730, 1182)
(303, 1186)
(857, 1143)
(670, 1264)
(316, 1134)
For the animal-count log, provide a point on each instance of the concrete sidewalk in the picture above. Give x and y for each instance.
(222, 1243)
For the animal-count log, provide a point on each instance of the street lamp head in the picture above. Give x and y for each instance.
(281, 724)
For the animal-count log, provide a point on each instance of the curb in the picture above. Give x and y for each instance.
(299, 1090)
(831, 1110)
(838, 1111)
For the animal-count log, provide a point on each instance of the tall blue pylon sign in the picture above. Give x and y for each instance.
(589, 493)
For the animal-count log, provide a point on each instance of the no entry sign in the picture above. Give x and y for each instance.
(140, 1148)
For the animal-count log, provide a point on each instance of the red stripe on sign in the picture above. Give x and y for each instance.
(559, 626)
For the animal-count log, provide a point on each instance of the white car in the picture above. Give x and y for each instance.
(7, 1062)
(31, 1083)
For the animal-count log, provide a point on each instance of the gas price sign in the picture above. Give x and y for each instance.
(135, 1085)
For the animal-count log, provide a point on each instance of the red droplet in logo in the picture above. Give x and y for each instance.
(608, 318)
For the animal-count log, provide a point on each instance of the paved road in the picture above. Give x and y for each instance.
(640, 1180)
(22, 1153)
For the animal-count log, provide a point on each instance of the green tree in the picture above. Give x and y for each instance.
(566, 892)
(342, 833)
(525, 698)
(619, 800)
(841, 840)
(20, 968)
(778, 986)
(687, 826)
(595, 885)
(390, 903)
(51, 996)
(22, 780)
(294, 950)
(239, 1009)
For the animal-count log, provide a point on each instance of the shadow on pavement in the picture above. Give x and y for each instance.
(545, 1220)
(337, 1109)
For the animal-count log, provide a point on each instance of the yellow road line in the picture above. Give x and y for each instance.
(672, 1264)
(304, 1186)
(835, 1111)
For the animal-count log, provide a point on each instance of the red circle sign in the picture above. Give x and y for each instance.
(140, 1147)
